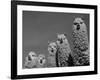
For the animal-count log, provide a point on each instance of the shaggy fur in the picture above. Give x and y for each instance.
(31, 60)
(64, 51)
(52, 49)
(41, 61)
(80, 42)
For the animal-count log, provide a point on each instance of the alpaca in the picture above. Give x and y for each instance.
(64, 53)
(80, 42)
(31, 60)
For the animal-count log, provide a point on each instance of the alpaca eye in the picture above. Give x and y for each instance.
(64, 38)
(33, 55)
(81, 22)
(55, 46)
(75, 23)
(43, 58)
(58, 39)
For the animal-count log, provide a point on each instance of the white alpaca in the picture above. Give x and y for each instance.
(41, 61)
(52, 49)
(31, 60)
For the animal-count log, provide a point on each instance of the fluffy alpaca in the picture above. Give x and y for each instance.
(64, 51)
(80, 42)
(52, 49)
(41, 61)
(31, 60)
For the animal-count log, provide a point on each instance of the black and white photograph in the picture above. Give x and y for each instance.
(53, 39)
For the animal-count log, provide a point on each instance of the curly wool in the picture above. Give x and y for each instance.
(80, 43)
(81, 57)
(62, 56)
(80, 40)
(63, 53)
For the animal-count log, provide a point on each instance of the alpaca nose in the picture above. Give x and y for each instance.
(78, 27)
(52, 50)
(29, 58)
(40, 61)
(61, 41)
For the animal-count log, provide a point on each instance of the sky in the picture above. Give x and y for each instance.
(39, 28)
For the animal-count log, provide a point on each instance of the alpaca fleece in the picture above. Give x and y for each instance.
(64, 52)
(52, 49)
(80, 42)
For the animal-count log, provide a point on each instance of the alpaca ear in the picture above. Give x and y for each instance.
(65, 34)
(57, 34)
(48, 42)
(82, 18)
